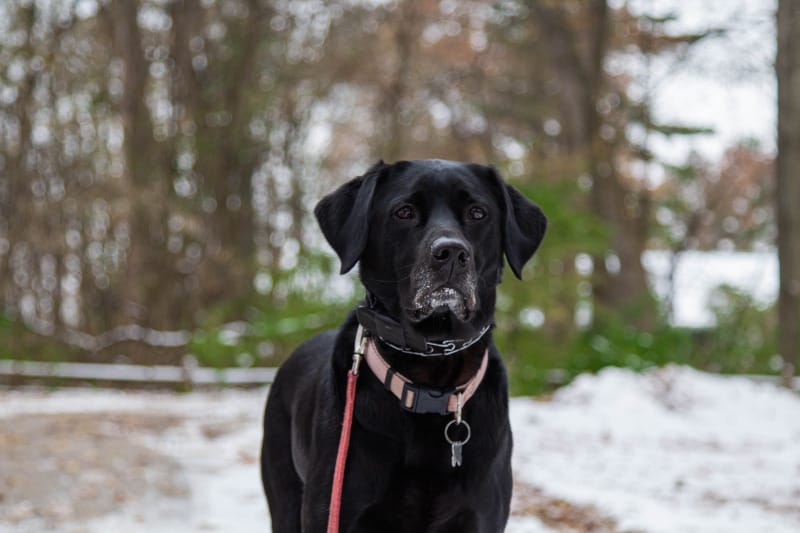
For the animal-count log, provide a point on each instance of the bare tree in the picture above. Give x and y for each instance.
(787, 68)
(577, 55)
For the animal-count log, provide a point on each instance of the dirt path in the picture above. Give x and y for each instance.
(59, 468)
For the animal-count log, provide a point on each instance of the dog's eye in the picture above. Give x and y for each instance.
(477, 212)
(405, 212)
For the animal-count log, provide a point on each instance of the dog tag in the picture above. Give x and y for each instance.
(456, 457)
(455, 453)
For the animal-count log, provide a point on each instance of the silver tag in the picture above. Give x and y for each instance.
(456, 457)
(455, 453)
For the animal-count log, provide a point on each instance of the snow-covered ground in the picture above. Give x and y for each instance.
(672, 450)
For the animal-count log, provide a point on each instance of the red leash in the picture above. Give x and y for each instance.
(344, 438)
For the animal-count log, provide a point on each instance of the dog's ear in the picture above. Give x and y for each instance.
(524, 225)
(343, 215)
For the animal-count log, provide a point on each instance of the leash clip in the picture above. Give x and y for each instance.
(359, 346)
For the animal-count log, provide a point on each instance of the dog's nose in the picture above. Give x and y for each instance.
(447, 250)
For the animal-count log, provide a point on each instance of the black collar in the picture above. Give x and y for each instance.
(391, 333)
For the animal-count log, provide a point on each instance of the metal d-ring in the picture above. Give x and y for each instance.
(450, 424)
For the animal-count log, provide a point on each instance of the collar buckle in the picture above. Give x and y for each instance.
(420, 399)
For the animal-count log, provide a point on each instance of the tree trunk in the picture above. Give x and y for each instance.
(581, 82)
(407, 34)
(149, 279)
(788, 183)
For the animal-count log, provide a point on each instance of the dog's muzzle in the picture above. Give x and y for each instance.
(444, 280)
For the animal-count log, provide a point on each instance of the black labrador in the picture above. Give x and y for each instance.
(430, 448)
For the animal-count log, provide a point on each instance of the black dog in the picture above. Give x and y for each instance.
(429, 237)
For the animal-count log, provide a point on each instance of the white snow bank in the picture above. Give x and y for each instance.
(670, 450)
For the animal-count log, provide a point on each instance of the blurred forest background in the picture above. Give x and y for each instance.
(159, 162)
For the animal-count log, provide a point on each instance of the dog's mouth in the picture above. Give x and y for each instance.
(442, 301)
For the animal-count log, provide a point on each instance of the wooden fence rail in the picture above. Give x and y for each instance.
(154, 374)
(191, 375)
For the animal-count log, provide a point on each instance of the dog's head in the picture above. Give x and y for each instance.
(429, 237)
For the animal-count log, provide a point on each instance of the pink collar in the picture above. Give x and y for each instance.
(420, 398)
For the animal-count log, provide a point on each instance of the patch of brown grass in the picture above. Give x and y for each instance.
(560, 514)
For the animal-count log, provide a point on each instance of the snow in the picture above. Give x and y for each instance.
(670, 450)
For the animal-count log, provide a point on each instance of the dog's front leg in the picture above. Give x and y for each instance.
(316, 503)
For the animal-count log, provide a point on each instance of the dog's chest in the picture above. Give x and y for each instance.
(420, 500)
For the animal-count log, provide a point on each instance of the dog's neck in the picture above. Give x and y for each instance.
(439, 371)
